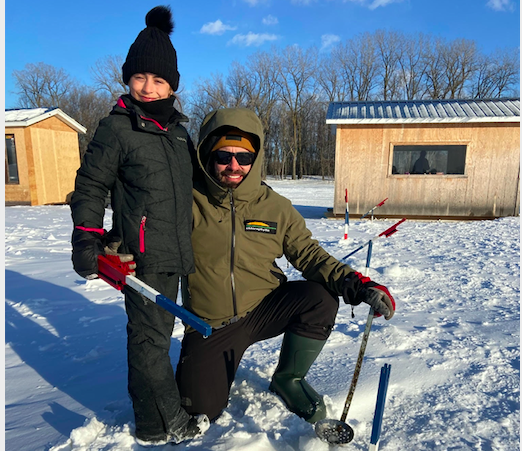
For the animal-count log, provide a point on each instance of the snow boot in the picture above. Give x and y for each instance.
(297, 356)
(196, 426)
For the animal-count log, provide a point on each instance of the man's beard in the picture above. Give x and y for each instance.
(230, 184)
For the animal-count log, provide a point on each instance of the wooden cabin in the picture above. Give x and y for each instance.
(470, 165)
(42, 156)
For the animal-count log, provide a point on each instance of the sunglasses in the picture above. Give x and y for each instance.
(242, 158)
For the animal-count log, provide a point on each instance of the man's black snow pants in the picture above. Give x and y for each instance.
(152, 385)
(207, 366)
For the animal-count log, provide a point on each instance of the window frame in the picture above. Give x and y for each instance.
(393, 145)
(8, 164)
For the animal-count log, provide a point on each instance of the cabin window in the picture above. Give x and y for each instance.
(429, 159)
(11, 165)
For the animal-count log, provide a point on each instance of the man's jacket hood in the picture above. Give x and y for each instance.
(216, 124)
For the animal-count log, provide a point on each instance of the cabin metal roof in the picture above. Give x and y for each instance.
(424, 111)
(24, 117)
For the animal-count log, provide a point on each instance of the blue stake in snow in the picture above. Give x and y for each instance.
(387, 233)
(368, 258)
(379, 407)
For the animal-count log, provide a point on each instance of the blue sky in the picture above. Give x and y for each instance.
(210, 34)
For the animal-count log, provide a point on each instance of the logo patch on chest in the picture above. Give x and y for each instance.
(255, 225)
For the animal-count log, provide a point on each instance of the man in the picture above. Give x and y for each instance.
(422, 165)
(241, 227)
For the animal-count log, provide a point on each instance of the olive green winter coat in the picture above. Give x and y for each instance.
(238, 234)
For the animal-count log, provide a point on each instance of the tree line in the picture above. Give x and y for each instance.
(290, 89)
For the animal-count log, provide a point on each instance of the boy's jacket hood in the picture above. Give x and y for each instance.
(226, 118)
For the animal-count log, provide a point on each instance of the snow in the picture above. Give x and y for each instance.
(453, 344)
(25, 114)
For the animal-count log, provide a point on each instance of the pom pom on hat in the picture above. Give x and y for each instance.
(160, 17)
(152, 51)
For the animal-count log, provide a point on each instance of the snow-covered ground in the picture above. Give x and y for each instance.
(453, 345)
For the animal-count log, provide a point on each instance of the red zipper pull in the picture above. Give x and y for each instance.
(142, 233)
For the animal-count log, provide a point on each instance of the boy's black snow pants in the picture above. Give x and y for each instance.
(152, 385)
(207, 366)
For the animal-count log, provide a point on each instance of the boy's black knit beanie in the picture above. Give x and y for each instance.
(152, 51)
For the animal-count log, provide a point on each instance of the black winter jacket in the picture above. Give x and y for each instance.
(148, 170)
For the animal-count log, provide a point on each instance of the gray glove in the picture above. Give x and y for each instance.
(379, 301)
(112, 249)
(358, 288)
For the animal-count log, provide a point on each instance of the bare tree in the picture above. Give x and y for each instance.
(207, 95)
(42, 85)
(387, 47)
(342, 55)
(87, 107)
(449, 67)
(330, 77)
(412, 66)
(484, 83)
(358, 66)
(460, 61)
(107, 75)
(317, 143)
(436, 86)
(262, 95)
(280, 142)
(261, 87)
(296, 68)
(217, 91)
(238, 85)
(507, 79)
(497, 75)
(362, 50)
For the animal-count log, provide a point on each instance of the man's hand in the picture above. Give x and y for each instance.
(379, 301)
(358, 288)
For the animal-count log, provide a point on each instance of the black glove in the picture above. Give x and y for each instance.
(87, 245)
(358, 288)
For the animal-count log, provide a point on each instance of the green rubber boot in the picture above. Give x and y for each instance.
(297, 355)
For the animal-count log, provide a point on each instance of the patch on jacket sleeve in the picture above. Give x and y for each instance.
(255, 225)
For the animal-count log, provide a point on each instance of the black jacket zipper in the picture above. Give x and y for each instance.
(232, 251)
